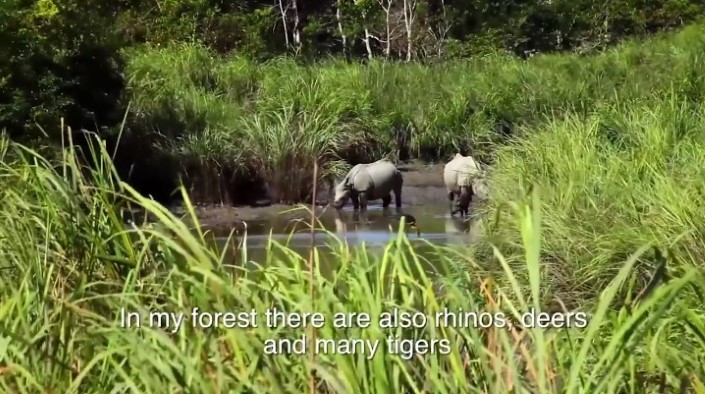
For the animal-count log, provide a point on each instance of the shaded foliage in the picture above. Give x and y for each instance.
(62, 59)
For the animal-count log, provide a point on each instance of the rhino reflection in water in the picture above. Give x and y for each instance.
(342, 225)
(361, 223)
(463, 230)
(455, 226)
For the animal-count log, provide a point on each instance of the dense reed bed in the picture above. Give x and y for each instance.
(619, 178)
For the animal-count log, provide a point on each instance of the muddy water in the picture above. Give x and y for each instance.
(374, 229)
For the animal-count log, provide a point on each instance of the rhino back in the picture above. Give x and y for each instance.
(379, 175)
(449, 176)
(460, 172)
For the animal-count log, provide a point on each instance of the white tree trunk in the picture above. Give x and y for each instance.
(388, 35)
(343, 37)
(283, 11)
(367, 42)
(409, 17)
(388, 38)
(296, 31)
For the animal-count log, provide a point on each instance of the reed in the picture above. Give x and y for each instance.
(70, 265)
(263, 120)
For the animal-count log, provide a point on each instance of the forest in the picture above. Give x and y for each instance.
(588, 114)
(181, 84)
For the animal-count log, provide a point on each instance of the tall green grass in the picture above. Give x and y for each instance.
(223, 109)
(594, 207)
(70, 264)
(612, 181)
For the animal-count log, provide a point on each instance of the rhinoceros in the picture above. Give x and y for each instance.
(461, 176)
(371, 181)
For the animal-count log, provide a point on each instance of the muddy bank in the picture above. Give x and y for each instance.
(423, 175)
(423, 184)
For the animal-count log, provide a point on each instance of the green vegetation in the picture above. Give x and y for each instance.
(610, 142)
(61, 298)
(611, 182)
(244, 116)
(204, 108)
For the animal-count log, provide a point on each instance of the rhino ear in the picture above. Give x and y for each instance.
(457, 155)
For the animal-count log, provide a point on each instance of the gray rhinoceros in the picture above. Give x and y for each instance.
(461, 176)
(371, 181)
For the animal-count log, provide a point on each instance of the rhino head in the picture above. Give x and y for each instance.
(341, 195)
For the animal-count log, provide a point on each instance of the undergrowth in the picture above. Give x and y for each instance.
(70, 265)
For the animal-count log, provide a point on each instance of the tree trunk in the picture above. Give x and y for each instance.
(388, 37)
(367, 42)
(283, 11)
(388, 40)
(409, 16)
(343, 37)
(296, 31)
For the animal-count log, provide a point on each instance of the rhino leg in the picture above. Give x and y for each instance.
(397, 196)
(363, 201)
(457, 209)
(396, 188)
(355, 201)
(464, 200)
(450, 203)
(386, 200)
